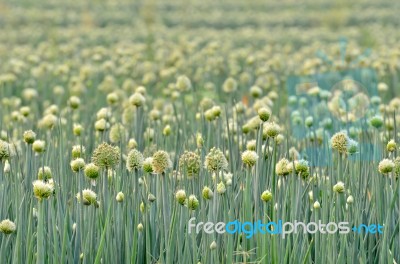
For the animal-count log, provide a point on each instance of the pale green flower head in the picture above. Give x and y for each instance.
(215, 160)
(134, 160)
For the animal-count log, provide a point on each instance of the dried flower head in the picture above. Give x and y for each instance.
(161, 162)
(339, 142)
(190, 163)
(134, 160)
(215, 160)
(106, 156)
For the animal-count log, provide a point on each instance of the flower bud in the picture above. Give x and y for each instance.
(207, 193)
(192, 202)
(180, 196)
(38, 146)
(264, 114)
(339, 187)
(391, 146)
(221, 189)
(29, 136)
(266, 196)
(120, 197)
(77, 164)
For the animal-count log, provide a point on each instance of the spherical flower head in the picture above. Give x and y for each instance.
(279, 139)
(106, 156)
(134, 160)
(140, 227)
(78, 151)
(92, 171)
(271, 130)
(192, 202)
(376, 121)
(112, 98)
(44, 173)
(161, 162)
(167, 130)
(221, 189)
(352, 146)
(266, 196)
(282, 167)
(38, 146)
(147, 165)
(183, 83)
(137, 99)
(180, 196)
(207, 193)
(117, 133)
(190, 163)
(42, 190)
(309, 121)
(339, 142)
(77, 164)
(89, 197)
(29, 136)
(249, 158)
(77, 129)
(7, 227)
(264, 114)
(120, 197)
(339, 187)
(302, 168)
(215, 160)
(230, 85)
(74, 102)
(100, 125)
(5, 150)
(391, 146)
(255, 91)
(316, 205)
(386, 166)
